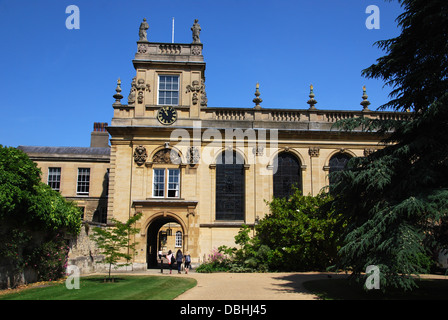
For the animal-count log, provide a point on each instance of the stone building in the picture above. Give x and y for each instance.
(203, 169)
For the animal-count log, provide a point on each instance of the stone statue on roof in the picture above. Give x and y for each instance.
(196, 28)
(142, 31)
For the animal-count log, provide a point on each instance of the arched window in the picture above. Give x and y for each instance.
(287, 173)
(178, 242)
(230, 193)
(338, 162)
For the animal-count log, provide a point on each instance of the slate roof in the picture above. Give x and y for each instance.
(78, 154)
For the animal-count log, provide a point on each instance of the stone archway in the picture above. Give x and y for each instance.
(152, 241)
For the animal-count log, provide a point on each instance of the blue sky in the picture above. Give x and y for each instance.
(55, 82)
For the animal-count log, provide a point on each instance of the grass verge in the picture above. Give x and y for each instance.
(123, 288)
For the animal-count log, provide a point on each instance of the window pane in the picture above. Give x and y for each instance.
(287, 174)
(173, 183)
(178, 239)
(54, 178)
(230, 191)
(337, 163)
(169, 90)
(159, 183)
(83, 181)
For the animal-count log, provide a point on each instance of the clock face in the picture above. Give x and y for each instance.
(167, 115)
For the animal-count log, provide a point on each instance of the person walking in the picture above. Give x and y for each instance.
(187, 259)
(179, 259)
(170, 257)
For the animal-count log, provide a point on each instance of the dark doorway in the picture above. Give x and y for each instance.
(154, 239)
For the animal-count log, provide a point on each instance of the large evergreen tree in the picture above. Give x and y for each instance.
(397, 197)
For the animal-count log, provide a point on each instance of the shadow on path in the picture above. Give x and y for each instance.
(293, 283)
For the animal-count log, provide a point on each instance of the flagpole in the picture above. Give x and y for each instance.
(172, 34)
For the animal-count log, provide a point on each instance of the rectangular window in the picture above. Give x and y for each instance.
(173, 183)
(83, 185)
(54, 178)
(178, 242)
(159, 183)
(166, 182)
(169, 90)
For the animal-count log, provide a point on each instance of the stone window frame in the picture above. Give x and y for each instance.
(166, 182)
(159, 90)
(54, 178)
(178, 239)
(83, 185)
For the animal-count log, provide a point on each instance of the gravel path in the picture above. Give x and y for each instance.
(251, 286)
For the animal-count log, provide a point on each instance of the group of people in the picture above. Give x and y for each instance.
(179, 258)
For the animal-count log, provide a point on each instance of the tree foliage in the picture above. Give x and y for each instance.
(28, 203)
(114, 242)
(303, 232)
(31, 216)
(397, 197)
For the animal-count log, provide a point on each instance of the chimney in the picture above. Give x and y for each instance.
(99, 137)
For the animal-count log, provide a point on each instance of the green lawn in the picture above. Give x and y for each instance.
(341, 289)
(123, 288)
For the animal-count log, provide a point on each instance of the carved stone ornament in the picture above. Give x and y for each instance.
(142, 48)
(166, 156)
(140, 155)
(368, 151)
(258, 150)
(314, 151)
(137, 90)
(196, 50)
(193, 155)
(197, 88)
(204, 100)
(131, 97)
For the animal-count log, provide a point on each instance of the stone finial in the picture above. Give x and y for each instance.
(118, 96)
(142, 30)
(196, 28)
(312, 101)
(257, 99)
(365, 103)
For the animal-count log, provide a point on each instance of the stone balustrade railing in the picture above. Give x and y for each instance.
(299, 115)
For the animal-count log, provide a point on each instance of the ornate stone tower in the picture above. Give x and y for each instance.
(147, 173)
(166, 74)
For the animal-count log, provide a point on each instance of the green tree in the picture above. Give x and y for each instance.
(397, 196)
(29, 207)
(302, 232)
(114, 241)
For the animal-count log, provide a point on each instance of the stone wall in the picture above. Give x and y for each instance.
(84, 252)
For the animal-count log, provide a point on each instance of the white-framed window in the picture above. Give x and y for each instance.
(173, 183)
(54, 178)
(168, 90)
(178, 242)
(159, 183)
(166, 183)
(83, 185)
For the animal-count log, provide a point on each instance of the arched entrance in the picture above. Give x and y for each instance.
(157, 238)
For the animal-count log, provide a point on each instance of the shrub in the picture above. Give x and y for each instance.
(50, 259)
